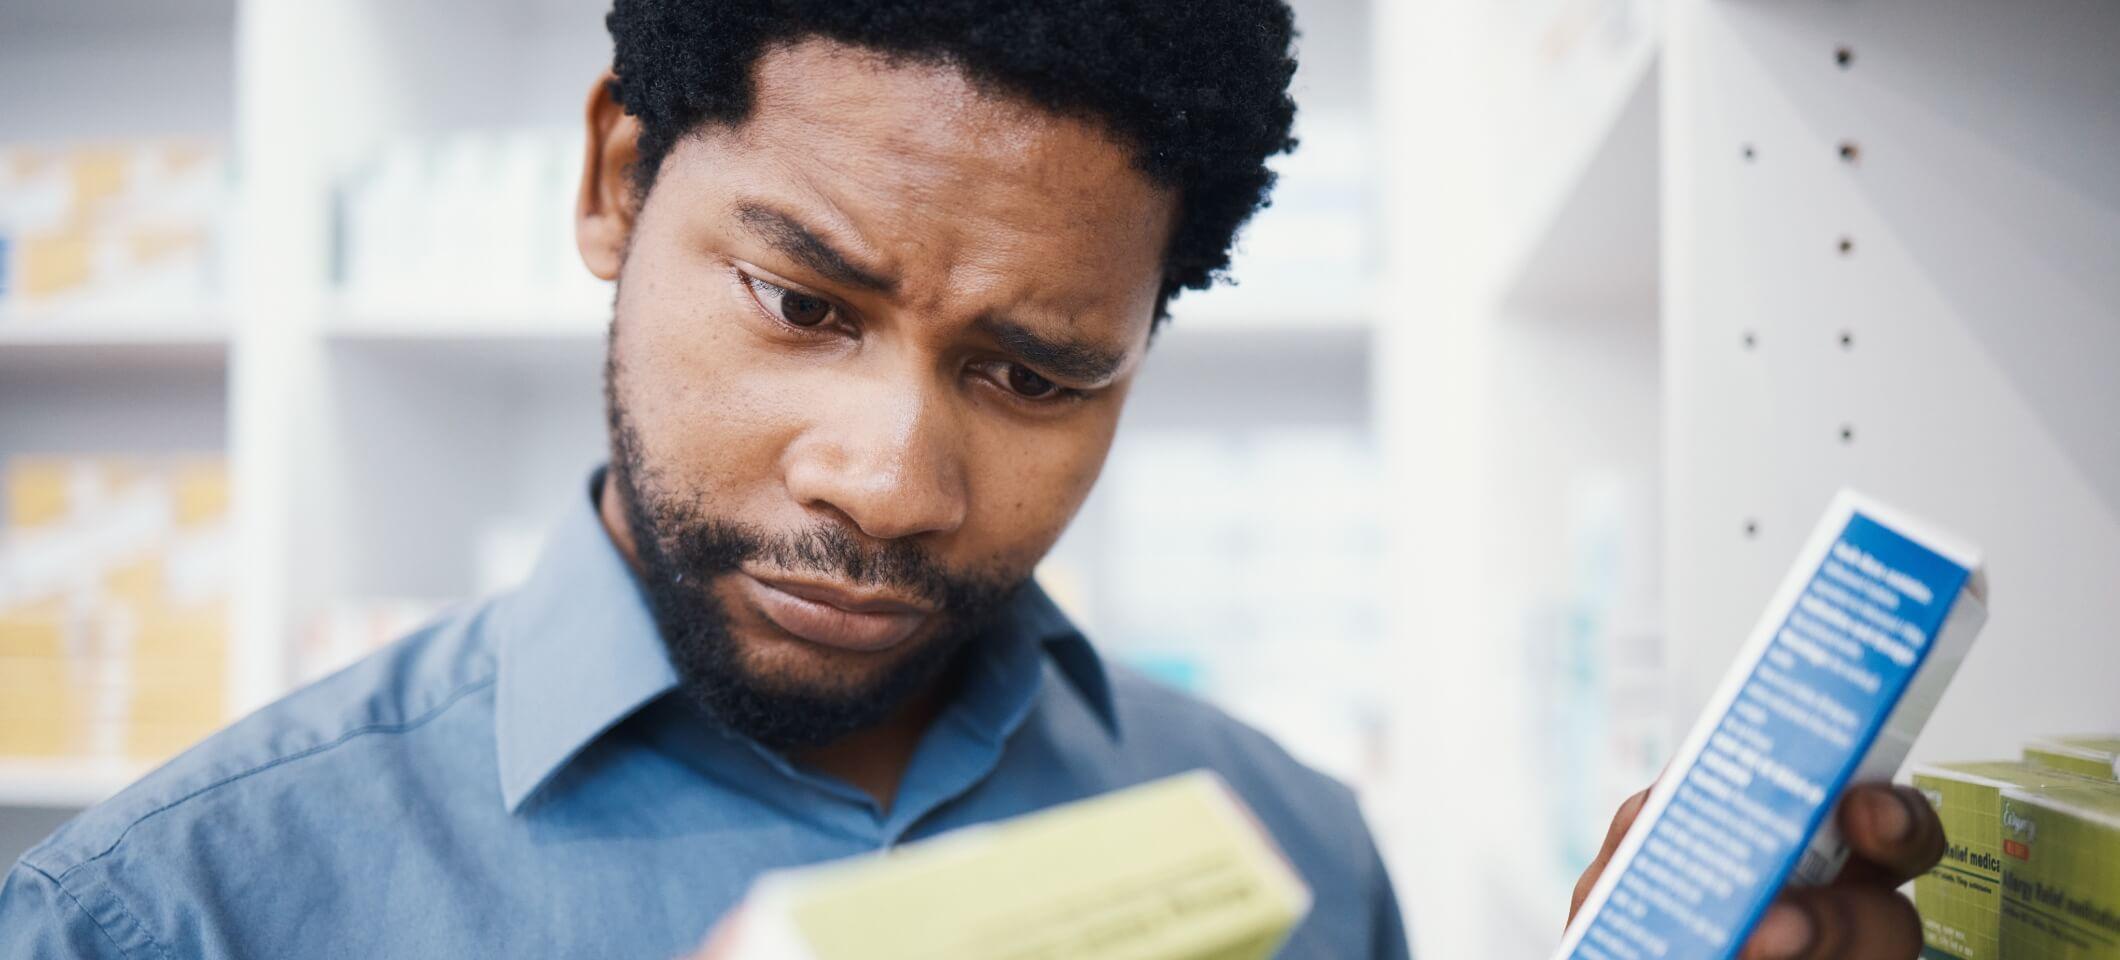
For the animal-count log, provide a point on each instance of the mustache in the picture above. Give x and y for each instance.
(714, 547)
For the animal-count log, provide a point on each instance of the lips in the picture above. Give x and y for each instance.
(833, 616)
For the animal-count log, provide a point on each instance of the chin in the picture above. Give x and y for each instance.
(772, 659)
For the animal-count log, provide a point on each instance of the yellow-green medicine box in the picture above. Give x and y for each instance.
(1175, 869)
(1961, 900)
(2061, 872)
(2097, 757)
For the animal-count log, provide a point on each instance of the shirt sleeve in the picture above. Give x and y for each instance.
(39, 918)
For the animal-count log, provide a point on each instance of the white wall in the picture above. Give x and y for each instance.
(1981, 299)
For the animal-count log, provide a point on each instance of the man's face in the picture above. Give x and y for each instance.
(869, 351)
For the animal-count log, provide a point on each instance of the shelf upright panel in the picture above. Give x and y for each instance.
(304, 78)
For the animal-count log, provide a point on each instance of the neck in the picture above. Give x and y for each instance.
(875, 759)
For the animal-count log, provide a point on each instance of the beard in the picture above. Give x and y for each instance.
(682, 553)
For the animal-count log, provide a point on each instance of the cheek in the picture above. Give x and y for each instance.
(1029, 482)
(712, 408)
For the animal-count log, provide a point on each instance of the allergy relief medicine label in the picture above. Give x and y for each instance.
(1830, 689)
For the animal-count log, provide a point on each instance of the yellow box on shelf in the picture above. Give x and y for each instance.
(186, 705)
(152, 744)
(40, 707)
(120, 225)
(136, 582)
(114, 638)
(201, 492)
(36, 491)
(34, 629)
(38, 737)
(188, 633)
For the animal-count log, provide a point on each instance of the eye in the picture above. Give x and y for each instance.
(1026, 383)
(798, 309)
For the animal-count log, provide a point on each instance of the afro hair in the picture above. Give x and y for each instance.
(1198, 89)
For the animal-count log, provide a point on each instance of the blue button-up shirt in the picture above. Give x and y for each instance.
(523, 779)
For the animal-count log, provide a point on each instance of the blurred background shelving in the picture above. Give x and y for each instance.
(114, 371)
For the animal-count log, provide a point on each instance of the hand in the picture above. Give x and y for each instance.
(1893, 836)
(725, 942)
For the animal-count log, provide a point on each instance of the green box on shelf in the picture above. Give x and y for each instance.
(1961, 900)
(2061, 872)
(2097, 757)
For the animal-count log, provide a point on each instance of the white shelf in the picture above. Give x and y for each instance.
(94, 17)
(63, 783)
(131, 339)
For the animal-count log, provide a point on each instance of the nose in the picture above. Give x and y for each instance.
(888, 457)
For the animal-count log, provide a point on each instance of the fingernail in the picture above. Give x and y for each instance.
(1886, 810)
(1784, 932)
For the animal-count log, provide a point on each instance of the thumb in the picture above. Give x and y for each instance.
(1622, 820)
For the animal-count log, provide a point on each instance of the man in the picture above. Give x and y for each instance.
(885, 273)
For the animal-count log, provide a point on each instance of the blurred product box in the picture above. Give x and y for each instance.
(1961, 900)
(109, 227)
(2095, 756)
(113, 605)
(2061, 872)
(472, 223)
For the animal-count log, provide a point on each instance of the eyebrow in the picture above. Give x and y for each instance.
(787, 235)
(1067, 359)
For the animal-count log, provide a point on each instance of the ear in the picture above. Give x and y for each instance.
(605, 209)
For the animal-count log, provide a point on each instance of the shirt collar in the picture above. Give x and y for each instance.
(1033, 614)
(579, 652)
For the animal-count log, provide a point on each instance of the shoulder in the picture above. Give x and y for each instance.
(345, 727)
(1155, 717)
(1166, 728)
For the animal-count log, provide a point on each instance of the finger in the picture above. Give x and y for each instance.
(1622, 819)
(1893, 835)
(725, 939)
(1837, 923)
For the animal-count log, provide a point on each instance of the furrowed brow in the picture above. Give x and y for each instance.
(787, 235)
(1067, 359)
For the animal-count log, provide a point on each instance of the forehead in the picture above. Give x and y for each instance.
(940, 181)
